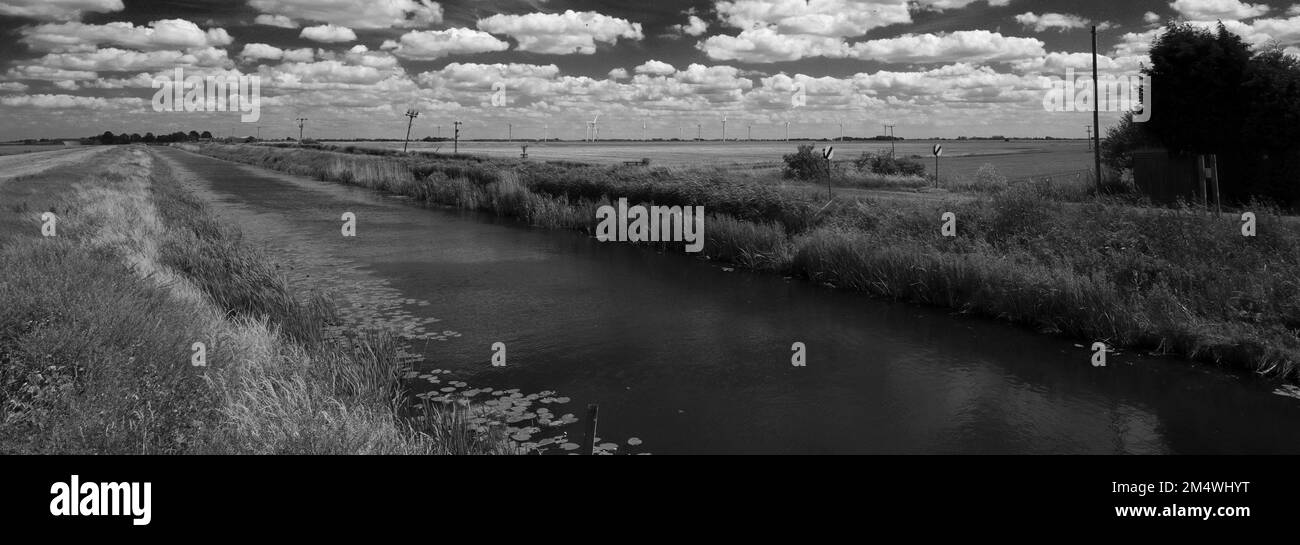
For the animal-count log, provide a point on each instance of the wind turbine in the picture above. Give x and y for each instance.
(595, 128)
(724, 127)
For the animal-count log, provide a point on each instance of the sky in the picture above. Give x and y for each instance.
(532, 68)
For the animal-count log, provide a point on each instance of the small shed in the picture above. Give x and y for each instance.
(1166, 176)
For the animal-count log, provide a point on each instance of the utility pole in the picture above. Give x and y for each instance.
(1096, 115)
(412, 114)
(301, 122)
(439, 132)
(1089, 127)
(889, 131)
(699, 131)
(750, 134)
(456, 143)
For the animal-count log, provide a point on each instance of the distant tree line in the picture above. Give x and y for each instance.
(1213, 94)
(149, 138)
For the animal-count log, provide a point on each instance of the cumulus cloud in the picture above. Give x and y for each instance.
(562, 33)
(960, 46)
(275, 20)
(331, 73)
(434, 44)
(257, 51)
(767, 45)
(1212, 10)
(837, 18)
(1047, 21)
(47, 101)
(356, 13)
(57, 10)
(158, 35)
(694, 26)
(328, 33)
(656, 68)
(112, 59)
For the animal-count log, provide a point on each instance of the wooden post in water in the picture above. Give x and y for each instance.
(589, 439)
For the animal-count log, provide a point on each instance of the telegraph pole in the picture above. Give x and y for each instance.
(1096, 115)
(412, 114)
(301, 122)
(456, 141)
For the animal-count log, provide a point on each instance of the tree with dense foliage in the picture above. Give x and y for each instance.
(1211, 94)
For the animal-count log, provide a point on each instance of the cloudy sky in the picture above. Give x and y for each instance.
(352, 67)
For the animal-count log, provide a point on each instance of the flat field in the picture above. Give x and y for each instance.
(15, 149)
(1015, 159)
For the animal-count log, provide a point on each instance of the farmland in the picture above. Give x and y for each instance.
(1015, 159)
(17, 149)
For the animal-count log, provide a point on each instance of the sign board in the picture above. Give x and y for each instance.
(828, 153)
(938, 150)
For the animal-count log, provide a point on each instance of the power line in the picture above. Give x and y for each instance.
(412, 114)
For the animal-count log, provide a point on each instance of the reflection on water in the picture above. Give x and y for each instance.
(691, 358)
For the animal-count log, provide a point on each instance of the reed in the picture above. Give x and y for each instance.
(1043, 253)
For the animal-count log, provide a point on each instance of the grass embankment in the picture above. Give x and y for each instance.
(97, 327)
(1170, 280)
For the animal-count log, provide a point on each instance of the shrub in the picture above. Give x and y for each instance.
(889, 165)
(988, 179)
(806, 164)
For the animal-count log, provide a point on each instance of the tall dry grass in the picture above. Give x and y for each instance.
(97, 324)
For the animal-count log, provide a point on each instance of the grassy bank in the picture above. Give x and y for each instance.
(99, 323)
(1169, 280)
